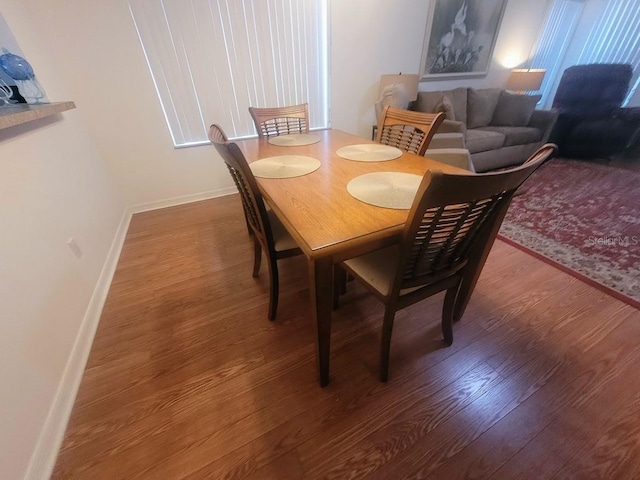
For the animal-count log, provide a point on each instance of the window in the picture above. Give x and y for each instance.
(558, 30)
(613, 38)
(616, 37)
(213, 59)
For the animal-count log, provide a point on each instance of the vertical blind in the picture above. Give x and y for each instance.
(212, 59)
(616, 37)
(557, 32)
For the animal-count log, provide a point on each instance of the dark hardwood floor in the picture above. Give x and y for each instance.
(188, 379)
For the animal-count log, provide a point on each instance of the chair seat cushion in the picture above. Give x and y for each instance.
(378, 269)
(516, 135)
(478, 140)
(281, 239)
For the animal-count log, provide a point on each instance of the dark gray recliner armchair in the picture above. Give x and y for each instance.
(592, 123)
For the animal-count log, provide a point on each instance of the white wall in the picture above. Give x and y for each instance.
(101, 61)
(100, 58)
(72, 177)
(371, 38)
(54, 185)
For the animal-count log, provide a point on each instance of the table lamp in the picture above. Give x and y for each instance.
(408, 81)
(525, 79)
(396, 91)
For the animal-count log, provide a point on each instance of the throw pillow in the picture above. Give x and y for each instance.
(445, 106)
(480, 106)
(514, 110)
(458, 98)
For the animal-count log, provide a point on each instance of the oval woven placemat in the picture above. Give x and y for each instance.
(386, 189)
(294, 140)
(369, 152)
(284, 166)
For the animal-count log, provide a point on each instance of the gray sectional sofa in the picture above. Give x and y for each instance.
(500, 128)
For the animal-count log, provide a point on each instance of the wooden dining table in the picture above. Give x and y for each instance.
(328, 223)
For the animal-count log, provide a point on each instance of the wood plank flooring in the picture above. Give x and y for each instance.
(187, 379)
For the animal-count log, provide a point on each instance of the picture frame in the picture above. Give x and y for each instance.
(460, 38)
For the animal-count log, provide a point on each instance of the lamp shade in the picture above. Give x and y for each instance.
(410, 81)
(522, 80)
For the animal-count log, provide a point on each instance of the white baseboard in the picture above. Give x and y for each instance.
(44, 456)
(172, 202)
(43, 459)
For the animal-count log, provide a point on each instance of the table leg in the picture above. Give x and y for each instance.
(321, 290)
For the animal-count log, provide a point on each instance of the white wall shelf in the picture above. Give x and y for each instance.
(23, 113)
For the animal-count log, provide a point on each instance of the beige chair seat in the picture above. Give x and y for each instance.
(378, 269)
(281, 239)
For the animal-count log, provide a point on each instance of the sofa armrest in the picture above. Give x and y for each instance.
(457, 157)
(452, 126)
(447, 140)
(544, 120)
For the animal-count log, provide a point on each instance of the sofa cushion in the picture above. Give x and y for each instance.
(428, 101)
(517, 135)
(514, 110)
(480, 106)
(445, 106)
(478, 140)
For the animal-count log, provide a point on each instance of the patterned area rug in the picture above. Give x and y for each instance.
(585, 218)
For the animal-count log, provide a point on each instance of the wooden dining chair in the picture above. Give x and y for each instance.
(454, 220)
(407, 130)
(281, 120)
(269, 235)
(218, 136)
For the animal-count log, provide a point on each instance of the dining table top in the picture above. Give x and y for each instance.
(316, 208)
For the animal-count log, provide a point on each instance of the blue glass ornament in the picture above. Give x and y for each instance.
(15, 66)
(22, 73)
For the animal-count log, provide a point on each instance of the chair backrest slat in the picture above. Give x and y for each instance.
(248, 199)
(281, 120)
(450, 214)
(407, 130)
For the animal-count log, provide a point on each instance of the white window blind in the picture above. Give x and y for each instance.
(615, 38)
(556, 35)
(213, 59)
